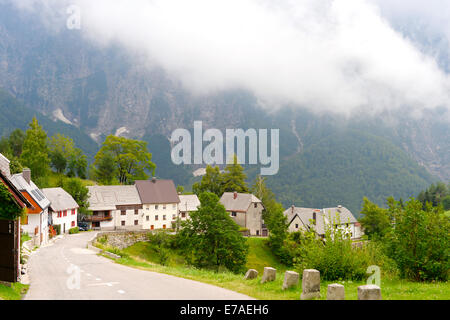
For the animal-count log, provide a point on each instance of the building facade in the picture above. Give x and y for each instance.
(63, 209)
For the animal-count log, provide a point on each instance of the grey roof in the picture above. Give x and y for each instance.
(241, 203)
(21, 184)
(108, 197)
(188, 202)
(157, 191)
(345, 216)
(323, 216)
(60, 200)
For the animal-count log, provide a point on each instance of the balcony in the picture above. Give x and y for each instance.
(98, 216)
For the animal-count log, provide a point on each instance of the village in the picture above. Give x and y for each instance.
(152, 204)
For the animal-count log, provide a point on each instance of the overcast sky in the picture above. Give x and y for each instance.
(329, 55)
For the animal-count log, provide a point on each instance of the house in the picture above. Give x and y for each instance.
(160, 202)
(36, 221)
(10, 229)
(63, 209)
(114, 208)
(303, 219)
(246, 210)
(188, 204)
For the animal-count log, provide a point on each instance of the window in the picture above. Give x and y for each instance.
(136, 222)
(233, 214)
(147, 218)
(65, 213)
(173, 217)
(73, 212)
(257, 232)
(123, 212)
(164, 207)
(156, 207)
(183, 214)
(164, 226)
(123, 223)
(164, 217)
(73, 224)
(255, 205)
(59, 214)
(296, 226)
(156, 218)
(136, 211)
(152, 227)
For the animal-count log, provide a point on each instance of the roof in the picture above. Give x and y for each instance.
(17, 195)
(108, 197)
(60, 200)
(189, 202)
(345, 216)
(21, 184)
(323, 216)
(157, 191)
(241, 203)
(306, 216)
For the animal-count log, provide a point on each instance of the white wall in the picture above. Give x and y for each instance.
(170, 212)
(41, 222)
(65, 221)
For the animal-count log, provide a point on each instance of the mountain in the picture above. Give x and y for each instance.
(95, 91)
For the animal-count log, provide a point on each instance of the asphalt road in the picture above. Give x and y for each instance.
(66, 270)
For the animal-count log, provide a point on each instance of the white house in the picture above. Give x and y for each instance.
(302, 219)
(114, 208)
(36, 220)
(63, 208)
(159, 202)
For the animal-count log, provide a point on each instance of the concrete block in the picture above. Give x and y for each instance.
(251, 274)
(335, 291)
(291, 279)
(369, 292)
(310, 284)
(269, 274)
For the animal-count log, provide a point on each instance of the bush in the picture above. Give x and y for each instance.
(419, 242)
(74, 230)
(57, 228)
(334, 256)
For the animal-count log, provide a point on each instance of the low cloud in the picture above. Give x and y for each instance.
(329, 56)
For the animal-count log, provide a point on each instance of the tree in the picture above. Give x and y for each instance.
(234, 178)
(262, 192)
(64, 155)
(419, 242)
(105, 171)
(180, 189)
(211, 239)
(16, 140)
(375, 220)
(79, 192)
(35, 151)
(130, 157)
(212, 181)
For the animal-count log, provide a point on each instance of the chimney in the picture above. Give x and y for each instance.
(235, 195)
(153, 179)
(4, 166)
(292, 208)
(27, 175)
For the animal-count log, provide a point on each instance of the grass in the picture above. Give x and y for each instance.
(143, 256)
(16, 291)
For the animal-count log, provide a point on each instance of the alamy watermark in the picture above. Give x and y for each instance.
(73, 22)
(375, 275)
(235, 143)
(74, 280)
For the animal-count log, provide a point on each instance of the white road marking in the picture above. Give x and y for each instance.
(121, 291)
(98, 279)
(109, 284)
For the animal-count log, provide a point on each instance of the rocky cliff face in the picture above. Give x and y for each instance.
(109, 91)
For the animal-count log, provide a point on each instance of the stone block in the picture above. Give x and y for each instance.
(369, 292)
(310, 284)
(290, 279)
(335, 291)
(269, 274)
(251, 274)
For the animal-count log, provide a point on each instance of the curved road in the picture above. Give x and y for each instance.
(66, 270)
